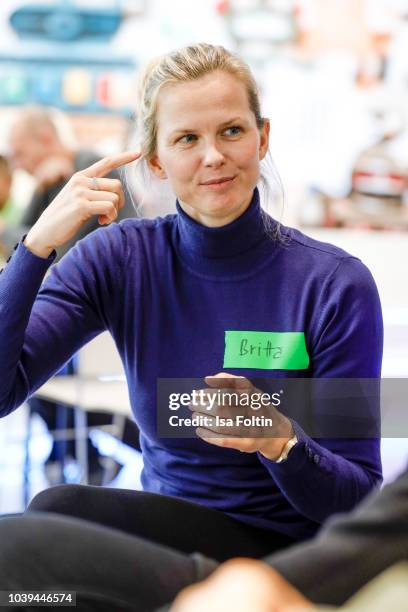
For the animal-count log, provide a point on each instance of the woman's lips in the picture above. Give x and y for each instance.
(220, 185)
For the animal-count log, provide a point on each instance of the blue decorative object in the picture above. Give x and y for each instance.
(65, 22)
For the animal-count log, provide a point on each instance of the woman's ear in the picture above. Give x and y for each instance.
(264, 140)
(156, 167)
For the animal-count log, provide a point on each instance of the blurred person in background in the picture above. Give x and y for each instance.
(350, 552)
(38, 145)
(9, 213)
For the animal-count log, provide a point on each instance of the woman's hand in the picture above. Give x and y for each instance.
(269, 441)
(242, 585)
(86, 194)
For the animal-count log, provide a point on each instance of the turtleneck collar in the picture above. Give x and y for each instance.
(229, 249)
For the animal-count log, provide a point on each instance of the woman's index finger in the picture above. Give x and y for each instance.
(107, 164)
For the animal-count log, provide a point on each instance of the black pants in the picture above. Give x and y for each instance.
(123, 550)
(108, 570)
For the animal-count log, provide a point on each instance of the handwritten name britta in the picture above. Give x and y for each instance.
(260, 349)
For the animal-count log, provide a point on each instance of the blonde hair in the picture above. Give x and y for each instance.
(180, 66)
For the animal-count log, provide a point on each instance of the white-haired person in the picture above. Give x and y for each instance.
(180, 295)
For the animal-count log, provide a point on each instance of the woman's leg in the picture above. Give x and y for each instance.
(107, 569)
(172, 522)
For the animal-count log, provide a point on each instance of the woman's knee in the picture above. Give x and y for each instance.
(63, 499)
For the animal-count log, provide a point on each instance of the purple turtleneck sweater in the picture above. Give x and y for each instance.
(168, 290)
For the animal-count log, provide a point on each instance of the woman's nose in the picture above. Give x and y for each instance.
(213, 156)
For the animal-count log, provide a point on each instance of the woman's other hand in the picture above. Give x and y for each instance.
(268, 440)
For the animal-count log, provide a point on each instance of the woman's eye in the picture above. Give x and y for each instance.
(234, 130)
(187, 138)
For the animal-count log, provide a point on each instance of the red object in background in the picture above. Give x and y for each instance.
(297, 10)
(222, 7)
(103, 90)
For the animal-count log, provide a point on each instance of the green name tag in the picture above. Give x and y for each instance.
(265, 350)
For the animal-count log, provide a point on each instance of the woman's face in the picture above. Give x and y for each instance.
(209, 146)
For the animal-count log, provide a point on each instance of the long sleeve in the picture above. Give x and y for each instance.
(40, 329)
(351, 549)
(332, 474)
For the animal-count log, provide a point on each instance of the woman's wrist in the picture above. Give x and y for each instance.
(36, 246)
(272, 448)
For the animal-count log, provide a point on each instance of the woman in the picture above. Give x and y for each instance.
(177, 294)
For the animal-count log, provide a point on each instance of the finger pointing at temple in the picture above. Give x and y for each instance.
(107, 164)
